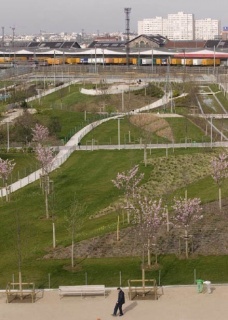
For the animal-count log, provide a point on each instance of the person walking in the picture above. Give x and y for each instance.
(119, 303)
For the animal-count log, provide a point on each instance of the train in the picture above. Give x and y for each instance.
(48, 61)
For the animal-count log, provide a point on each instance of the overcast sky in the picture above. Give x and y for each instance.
(29, 16)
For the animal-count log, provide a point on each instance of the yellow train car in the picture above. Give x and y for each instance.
(55, 61)
(210, 62)
(120, 61)
(109, 60)
(69, 60)
(175, 62)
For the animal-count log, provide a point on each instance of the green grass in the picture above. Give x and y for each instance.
(107, 133)
(88, 176)
(24, 165)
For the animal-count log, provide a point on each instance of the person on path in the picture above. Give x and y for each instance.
(119, 303)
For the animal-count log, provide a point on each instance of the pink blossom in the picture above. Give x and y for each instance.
(129, 180)
(187, 211)
(219, 166)
(45, 156)
(40, 133)
(6, 167)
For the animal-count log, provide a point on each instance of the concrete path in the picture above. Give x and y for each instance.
(175, 303)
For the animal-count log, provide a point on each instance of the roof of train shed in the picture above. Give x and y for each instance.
(107, 44)
(184, 44)
(204, 53)
(54, 44)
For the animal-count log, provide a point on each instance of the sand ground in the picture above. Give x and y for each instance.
(175, 303)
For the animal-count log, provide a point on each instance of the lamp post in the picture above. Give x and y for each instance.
(8, 139)
(119, 132)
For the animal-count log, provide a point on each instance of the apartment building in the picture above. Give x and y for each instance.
(181, 26)
(207, 29)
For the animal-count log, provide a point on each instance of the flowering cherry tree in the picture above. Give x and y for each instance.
(149, 215)
(40, 133)
(219, 168)
(6, 168)
(187, 212)
(45, 156)
(127, 182)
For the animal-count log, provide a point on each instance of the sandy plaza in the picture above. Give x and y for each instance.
(174, 303)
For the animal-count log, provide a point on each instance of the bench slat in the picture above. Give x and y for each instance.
(82, 290)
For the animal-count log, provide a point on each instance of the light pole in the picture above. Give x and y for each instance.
(119, 132)
(8, 140)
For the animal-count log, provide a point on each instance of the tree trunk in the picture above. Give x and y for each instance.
(220, 199)
(149, 254)
(143, 281)
(145, 155)
(20, 285)
(186, 243)
(53, 228)
(118, 229)
(72, 253)
(46, 201)
(186, 194)
(167, 219)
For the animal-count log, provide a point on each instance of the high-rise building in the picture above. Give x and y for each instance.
(207, 29)
(180, 26)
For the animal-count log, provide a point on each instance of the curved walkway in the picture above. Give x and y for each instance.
(71, 146)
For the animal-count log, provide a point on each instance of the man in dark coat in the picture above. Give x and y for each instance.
(119, 303)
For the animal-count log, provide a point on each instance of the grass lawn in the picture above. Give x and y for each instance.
(87, 175)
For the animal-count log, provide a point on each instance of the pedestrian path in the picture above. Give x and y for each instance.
(71, 146)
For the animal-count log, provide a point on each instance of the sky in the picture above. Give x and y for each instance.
(98, 16)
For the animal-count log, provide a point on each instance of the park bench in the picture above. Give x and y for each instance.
(82, 290)
(20, 290)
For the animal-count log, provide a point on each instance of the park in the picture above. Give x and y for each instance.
(125, 184)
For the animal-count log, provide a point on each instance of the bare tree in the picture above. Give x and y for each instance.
(75, 219)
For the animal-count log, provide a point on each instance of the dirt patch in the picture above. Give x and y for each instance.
(154, 124)
(208, 237)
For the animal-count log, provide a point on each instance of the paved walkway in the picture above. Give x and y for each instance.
(72, 144)
(176, 303)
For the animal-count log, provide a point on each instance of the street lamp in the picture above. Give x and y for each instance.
(119, 132)
(8, 139)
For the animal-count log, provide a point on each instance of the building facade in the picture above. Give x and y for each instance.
(181, 26)
(207, 29)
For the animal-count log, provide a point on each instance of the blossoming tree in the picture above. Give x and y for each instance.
(6, 168)
(128, 182)
(45, 157)
(149, 216)
(219, 168)
(187, 212)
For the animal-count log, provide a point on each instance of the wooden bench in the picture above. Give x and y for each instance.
(21, 290)
(82, 290)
